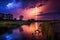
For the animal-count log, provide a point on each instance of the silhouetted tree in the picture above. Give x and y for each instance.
(8, 17)
(21, 17)
(30, 21)
(14, 18)
(1, 16)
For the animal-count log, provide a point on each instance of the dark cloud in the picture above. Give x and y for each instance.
(50, 13)
(50, 16)
(5, 1)
(25, 3)
(3, 4)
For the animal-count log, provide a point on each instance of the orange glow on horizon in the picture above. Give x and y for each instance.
(32, 12)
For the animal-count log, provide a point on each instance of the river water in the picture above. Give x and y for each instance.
(26, 34)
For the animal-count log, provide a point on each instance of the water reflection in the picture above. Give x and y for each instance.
(21, 35)
(16, 35)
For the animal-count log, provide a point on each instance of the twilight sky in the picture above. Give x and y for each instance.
(28, 8)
